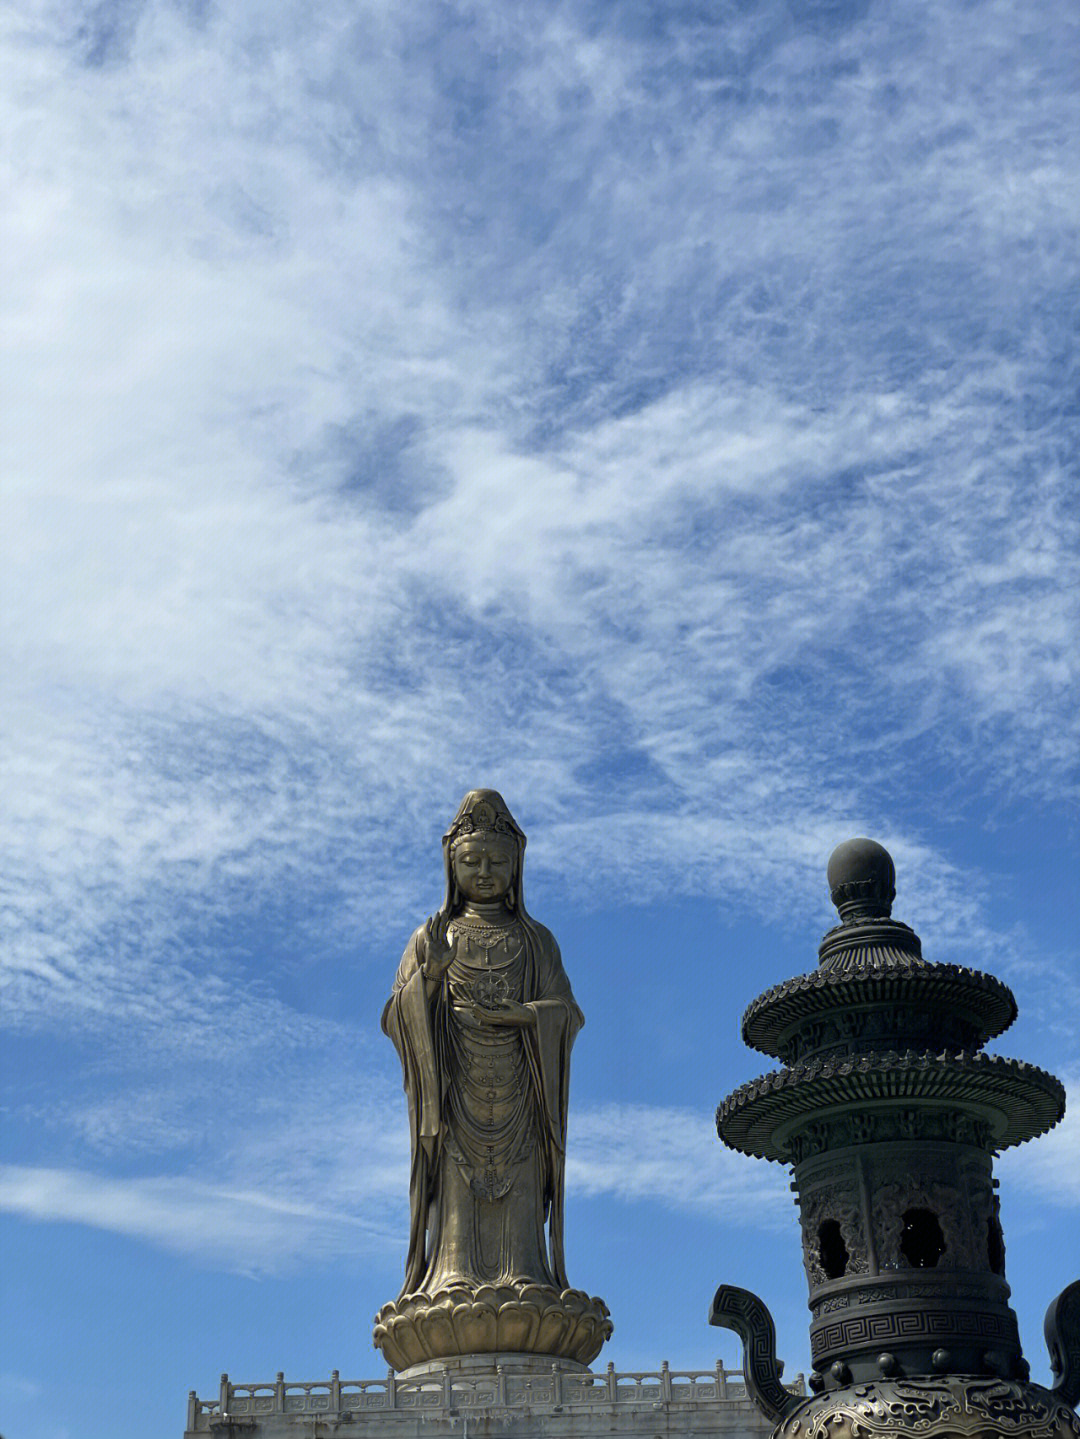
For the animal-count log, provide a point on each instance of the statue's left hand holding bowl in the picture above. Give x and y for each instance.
(500, 1012)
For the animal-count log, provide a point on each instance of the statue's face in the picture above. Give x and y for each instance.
(483, 867)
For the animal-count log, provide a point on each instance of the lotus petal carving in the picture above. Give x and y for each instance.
(510, 1319)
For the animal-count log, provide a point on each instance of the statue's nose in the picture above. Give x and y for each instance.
(485, 866)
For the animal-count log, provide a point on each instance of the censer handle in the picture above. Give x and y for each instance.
(738, 1309)
(1062, 1330)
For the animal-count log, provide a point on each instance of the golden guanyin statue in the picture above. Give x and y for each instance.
(483, 1019)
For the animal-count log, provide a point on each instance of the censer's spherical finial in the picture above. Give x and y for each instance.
(862, 879)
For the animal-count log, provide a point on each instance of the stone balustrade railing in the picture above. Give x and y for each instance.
(443, 1396)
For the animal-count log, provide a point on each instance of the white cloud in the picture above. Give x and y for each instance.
(1049, 1169)
(309, 1189)
(18, 1389)
(238, 1229)
(671, 1157)
(345, 467)
(667, 425)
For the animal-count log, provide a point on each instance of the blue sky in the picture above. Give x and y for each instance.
(666, 414)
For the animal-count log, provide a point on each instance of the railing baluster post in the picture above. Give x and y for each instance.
(224, 1395)
(279, 1392)
(391, 1389)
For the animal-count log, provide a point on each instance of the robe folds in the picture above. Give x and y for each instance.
(471, 1225)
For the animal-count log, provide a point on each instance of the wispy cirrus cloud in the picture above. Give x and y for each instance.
(667, 427)
(1049, 1171)
(257, 1167)
(615, 1152)
(309, 1192)
(664, 414)
(242, 1230)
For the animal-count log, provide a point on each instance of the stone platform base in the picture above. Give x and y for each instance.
(487, 1366)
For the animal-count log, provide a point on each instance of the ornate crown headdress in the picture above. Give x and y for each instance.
(482, 818)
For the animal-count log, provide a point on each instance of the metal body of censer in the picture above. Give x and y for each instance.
(890, 1112)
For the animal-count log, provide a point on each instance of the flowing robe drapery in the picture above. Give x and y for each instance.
(487, 1115)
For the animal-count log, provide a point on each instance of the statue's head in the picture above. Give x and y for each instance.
(483, 852)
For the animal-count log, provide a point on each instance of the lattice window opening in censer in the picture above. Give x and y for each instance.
(921, 1241)
(832, 1250)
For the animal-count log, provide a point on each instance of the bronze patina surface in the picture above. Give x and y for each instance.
(890, 1114)
(483, 1019)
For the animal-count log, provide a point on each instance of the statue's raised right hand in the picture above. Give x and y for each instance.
(437, 951)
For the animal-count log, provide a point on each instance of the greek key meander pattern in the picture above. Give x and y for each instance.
(744, 1312)
(866, 1329)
